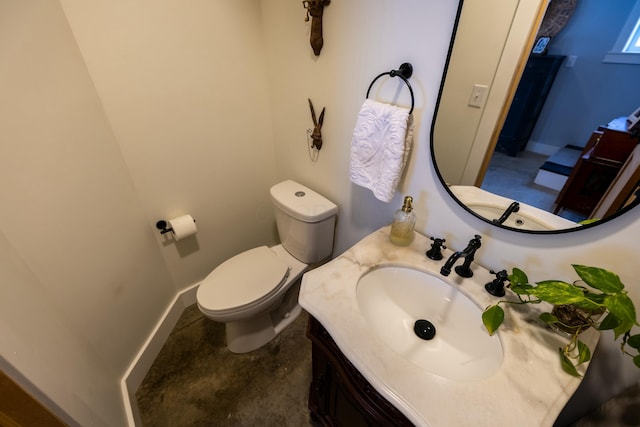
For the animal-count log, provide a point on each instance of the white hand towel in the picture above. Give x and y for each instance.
(380, 146)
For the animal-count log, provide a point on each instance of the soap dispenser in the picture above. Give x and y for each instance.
(404, 220)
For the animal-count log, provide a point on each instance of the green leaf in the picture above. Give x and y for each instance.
(558, 292)
(622, 306)
(588, 221)
(621, 329)
(599, 278)
(492, 318)
(521, 289)
(584, 353)
(548, 318)
(636, 360)
(567, 365)
(518, 277)
(634, 341)
(596, 298)
(592, 302)
(609, 322)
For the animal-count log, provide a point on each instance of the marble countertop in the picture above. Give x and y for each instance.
(529, 389)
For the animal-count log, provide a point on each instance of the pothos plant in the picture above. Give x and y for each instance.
(597, 300)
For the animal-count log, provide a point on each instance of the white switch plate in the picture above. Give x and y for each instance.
(478, 95)
(571, 61)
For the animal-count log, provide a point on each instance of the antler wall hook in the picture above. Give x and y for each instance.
(316, 135)
(315, 8)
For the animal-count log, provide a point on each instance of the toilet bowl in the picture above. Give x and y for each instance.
(255, 293)
(261, 278)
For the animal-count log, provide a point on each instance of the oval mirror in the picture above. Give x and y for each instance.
(531, 130)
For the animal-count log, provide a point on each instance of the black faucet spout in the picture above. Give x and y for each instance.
(468, 254)
(513, 207)
(446, 268)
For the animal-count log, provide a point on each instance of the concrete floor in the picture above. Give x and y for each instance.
(196, 381)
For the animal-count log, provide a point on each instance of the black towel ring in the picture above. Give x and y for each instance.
(404, 72)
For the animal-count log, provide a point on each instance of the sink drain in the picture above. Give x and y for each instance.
(424, 329)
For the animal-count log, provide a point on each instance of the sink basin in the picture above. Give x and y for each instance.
(515, 220)
(491, 206)
(392, 299)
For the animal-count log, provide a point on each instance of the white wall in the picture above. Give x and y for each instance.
(592, 92)
(184, 87)
(40, 342)
(136, 112)
(83, 280)
(361, 40)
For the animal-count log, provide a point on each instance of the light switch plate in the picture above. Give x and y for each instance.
(478, 95)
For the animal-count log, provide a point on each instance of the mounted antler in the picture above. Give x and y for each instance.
(316, 135)
(315, 8)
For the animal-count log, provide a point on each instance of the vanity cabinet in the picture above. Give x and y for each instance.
(339, 395)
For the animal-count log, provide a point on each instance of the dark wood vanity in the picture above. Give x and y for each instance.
(339, 395)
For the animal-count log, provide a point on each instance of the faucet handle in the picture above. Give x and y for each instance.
(496, 287)
(435, 253)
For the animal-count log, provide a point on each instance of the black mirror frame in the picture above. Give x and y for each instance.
(442, 181)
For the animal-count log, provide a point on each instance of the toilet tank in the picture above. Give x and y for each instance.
(305, 220)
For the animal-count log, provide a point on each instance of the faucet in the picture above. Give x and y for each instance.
(468, 254)
(513, 207)
(435, 253)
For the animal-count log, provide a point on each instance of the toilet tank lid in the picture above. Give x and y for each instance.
(301, 202)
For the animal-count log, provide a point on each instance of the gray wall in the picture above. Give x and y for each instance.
(592, 92)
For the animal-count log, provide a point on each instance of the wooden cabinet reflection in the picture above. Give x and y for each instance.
(610, 160)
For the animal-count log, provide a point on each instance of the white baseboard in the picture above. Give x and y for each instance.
(149, 351)
(555, 181)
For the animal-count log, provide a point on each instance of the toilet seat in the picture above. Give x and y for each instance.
(243, 281)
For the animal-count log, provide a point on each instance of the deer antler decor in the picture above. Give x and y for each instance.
(315, 9)
(316, 136)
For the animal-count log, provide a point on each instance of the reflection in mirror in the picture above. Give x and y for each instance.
(505, 211)
(562, 146)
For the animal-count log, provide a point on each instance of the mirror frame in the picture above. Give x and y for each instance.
(578, 227)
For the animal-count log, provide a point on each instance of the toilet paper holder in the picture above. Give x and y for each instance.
(162, 225)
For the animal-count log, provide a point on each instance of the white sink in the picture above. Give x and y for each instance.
(515, 220)
(368, 299)
(492, 206)
(392, 299)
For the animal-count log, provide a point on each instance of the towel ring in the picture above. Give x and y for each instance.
(404, 72)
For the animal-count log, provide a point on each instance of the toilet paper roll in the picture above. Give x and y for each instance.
(182, 227)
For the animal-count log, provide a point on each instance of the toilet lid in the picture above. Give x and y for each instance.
(243, 279)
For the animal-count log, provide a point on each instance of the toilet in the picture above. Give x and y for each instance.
(255, 293)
